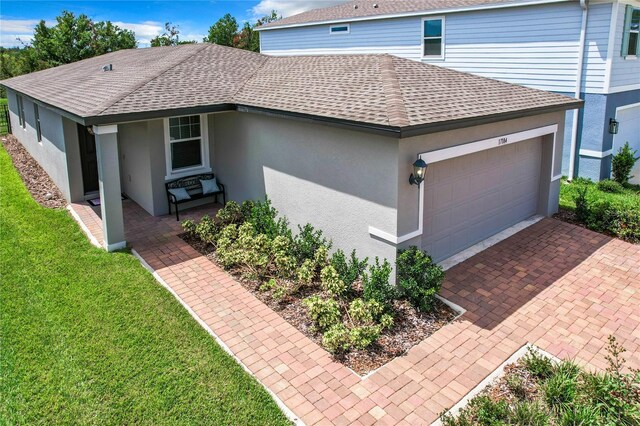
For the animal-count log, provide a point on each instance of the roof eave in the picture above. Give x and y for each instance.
(155, 114)
(409, 14)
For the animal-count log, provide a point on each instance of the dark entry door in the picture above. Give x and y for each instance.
(88, 159)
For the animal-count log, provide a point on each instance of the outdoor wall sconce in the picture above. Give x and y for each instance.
(613, 126)
(419, 171)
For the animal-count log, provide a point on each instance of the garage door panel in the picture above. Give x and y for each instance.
(478, 195)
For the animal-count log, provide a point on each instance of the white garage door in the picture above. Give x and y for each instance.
(470, 198)
(629, 131)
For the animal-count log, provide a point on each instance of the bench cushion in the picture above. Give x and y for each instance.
(180, 194)
(209, 186)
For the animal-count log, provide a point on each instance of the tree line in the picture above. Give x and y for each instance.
(73, 38)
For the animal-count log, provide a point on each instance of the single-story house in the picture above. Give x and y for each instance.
(330, 139)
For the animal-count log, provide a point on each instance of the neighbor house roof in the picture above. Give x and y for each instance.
(376, 92)
(376, 9)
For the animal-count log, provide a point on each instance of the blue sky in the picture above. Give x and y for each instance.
(145, 18)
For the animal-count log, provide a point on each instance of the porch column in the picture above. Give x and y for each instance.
(110, 190)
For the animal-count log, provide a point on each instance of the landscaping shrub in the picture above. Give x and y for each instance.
(623, 163)
(530, 414)
(264, 219)
(325, 313)
(538, 365)
(559, 391)
(307, 242)
(517, 386)
(331, 282)
(231, 213)
(611, 186)
(582, 204)
(419, 278)
(189, 226)
(306, 272)
(489, 412)
(620, 220)
(337, 339)
(376, 284)
(206, 230)
(580, 415)
(350, 270)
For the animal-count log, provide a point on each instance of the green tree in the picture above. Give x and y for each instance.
(224, 31)
(75, 38)
(170, 37)
(248, 38)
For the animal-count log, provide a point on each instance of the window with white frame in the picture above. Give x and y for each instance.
(631, 38)
(340, 29)
(21, 119)
(186, 144)
(36, 114)
(433, 38)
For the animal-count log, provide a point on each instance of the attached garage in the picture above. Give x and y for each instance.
(471, 197)
(628, 118)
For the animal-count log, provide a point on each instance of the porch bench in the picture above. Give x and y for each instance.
(193, 187)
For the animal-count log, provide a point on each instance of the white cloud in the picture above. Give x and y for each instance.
(290, 7)
(13, 29)
(145, 31)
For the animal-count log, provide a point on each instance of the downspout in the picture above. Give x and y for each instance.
(576, 112)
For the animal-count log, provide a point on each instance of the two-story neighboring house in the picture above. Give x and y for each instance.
(586, 49)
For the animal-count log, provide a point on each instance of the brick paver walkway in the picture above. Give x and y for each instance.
(558, 286)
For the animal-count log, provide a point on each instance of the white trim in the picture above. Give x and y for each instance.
(610, 47)
(440, 57)
(331, 27)
(495, 374)
(595, 154)
(418, 13)
(287, 412)
(458, 151)
(627, 88)
(556, 177)
(205, 167)
(623, 107)
(116, 246)
(105, 130)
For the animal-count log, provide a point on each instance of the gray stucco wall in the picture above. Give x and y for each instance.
(338, 180)
(50, 152)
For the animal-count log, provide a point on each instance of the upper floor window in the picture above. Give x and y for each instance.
(340, 29)
(36, 114)
(186, 144)
(630, 38)
(21, 119)
(433, 38)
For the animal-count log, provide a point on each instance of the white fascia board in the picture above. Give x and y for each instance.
(418, 13)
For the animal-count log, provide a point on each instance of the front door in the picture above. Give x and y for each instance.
(88, 159)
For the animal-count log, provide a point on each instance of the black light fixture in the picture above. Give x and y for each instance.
(419, 171)
(613, 126)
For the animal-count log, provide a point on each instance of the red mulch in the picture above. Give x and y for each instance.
(410, 326)
(37, 181)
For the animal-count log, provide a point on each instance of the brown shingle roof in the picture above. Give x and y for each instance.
(377, 90)
(366, 8)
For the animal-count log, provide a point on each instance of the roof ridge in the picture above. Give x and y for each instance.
(266, 59)
(396, 110)
(145, 82)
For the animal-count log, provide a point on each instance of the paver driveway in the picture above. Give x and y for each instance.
(558, 286)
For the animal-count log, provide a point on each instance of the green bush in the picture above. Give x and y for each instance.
(582, 204)
(350, 270)
(331, 282)
(611, 186)
(580, 415)
(489, 412)
(284, 263)
(621, 220)
(307, 242)
(206, 230)
(538, 365)
(363, 336)
(376, 284)
(306, 272)
(231, 213)
(189, 227)
(530, 414)
(325, 313)
(560, 391)
(264, 219)
(419, 278)
(623, 163)
(337, 339)
(365, 312)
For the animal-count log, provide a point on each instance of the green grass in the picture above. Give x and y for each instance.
(89, 337)
(568, 192)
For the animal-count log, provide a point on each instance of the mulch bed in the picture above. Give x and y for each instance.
(410, 326)
(568, 216)
(37, 181)
(500, 390)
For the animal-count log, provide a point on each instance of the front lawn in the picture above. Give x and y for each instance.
(630, 194)
(89, 337)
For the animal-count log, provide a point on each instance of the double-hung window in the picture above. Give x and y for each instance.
(433, 38)
(21, 119)
(186, 144)
(630, 37)
(36, 115)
